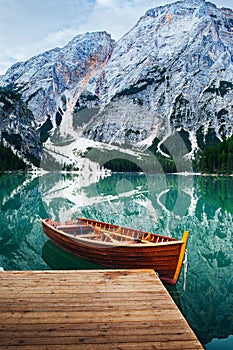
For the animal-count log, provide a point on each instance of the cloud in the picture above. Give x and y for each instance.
(105, 3)
(116, 17)
(29, 27)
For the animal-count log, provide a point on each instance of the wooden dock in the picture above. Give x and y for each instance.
(98, 309)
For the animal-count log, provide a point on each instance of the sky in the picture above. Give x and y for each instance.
(29, 27)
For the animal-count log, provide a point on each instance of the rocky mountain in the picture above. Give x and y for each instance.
(18, 126)
(172, 73)
(48, 81)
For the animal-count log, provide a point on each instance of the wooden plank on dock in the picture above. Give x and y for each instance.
(98, 309)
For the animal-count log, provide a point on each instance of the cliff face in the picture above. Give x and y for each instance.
(49, 80)
(171, 73)
(18, 126)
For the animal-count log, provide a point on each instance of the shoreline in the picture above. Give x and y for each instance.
(41, 172)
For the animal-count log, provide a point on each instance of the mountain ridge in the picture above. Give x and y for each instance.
(171, 73)
(159, 77)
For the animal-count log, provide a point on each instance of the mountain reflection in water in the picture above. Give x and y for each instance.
(168, 204)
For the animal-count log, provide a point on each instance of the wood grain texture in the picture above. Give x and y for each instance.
(161, 253)
(99, 309)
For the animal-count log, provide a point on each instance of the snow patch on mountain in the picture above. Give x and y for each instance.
(171, 74)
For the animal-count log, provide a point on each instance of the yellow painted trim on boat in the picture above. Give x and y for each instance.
(181, 257)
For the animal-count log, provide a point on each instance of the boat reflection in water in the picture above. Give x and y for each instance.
(58, 259)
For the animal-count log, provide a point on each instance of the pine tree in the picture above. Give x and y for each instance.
(218, 159)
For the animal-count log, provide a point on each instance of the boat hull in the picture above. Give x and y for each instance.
(163, 258)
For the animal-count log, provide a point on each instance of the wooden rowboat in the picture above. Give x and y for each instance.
(119, 247)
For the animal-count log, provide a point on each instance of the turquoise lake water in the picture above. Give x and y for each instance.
(167, 204)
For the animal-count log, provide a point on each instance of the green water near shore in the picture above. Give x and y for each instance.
(168, 204)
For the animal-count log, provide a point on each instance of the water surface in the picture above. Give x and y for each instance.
(167, 204)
